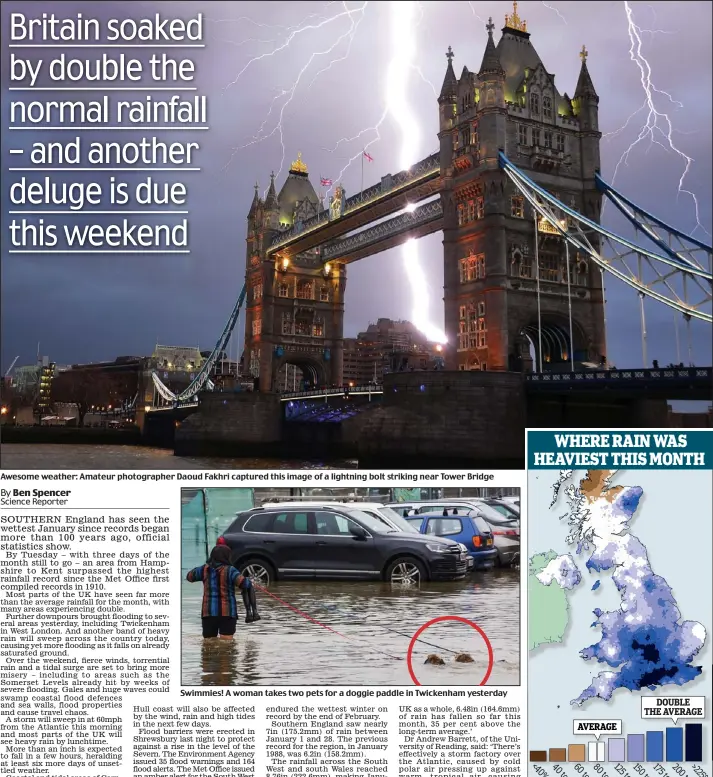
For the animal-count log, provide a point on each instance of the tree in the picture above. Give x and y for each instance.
(82, 388)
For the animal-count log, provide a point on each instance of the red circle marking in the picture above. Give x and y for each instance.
(440, 619)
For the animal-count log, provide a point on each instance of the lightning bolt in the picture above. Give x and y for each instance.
(418, 70)
(404, 53)
(284, 28)
(552, 8)
(654, 32)
(285, 97)
(375, 127)
(479, 18)
(658, 127)
(405, 20)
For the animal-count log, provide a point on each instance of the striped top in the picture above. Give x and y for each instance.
(218, 589)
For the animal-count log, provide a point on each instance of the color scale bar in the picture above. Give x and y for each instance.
(615, 750)
(635, 747)
(674, 744)
(694, 742)
(654, 746)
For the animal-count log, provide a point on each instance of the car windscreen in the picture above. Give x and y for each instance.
(443, 527)
(377, 525)
(491, 515)
(398, 521)
(480, 524)
(505, 508)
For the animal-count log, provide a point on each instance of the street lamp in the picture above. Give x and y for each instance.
(326, 270)
(285, 264)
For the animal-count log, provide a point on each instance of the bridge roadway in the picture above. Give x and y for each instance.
(425, 419)
(688, 383)
(393, 193)
(422, 221)
(691, 383)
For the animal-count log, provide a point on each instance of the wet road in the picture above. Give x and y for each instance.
(27, 457)
(285, 648)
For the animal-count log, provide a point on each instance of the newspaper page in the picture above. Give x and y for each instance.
(371, 637)
(452, 517)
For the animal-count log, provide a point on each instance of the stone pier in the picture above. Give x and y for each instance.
(242, 424)
(446, 419)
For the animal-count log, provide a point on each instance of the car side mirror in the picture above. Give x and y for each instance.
(358, 532)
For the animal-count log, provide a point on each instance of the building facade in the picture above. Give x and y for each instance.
(34, 383)
(176, 358)
(506, 279)
(295, 306)
(388, 346)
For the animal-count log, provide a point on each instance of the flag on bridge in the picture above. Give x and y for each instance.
(326, 181)
(369, 157)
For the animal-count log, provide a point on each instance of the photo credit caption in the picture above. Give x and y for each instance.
(115, 130)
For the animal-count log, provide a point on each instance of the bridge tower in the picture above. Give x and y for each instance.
(494, 314)
(295, 306)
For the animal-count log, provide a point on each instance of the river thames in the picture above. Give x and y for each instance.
(32, 457)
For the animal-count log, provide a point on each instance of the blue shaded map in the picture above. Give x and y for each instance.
(644, 643)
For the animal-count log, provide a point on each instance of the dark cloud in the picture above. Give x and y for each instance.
(92, 308)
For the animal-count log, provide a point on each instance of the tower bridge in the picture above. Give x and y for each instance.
(516, 190)
(511, 281)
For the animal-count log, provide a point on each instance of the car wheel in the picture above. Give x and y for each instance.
(261, 572)
(406, 571)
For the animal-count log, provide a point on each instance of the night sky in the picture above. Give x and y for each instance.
(94, 308)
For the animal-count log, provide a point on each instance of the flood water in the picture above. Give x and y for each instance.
(285, 648)
(26, 457)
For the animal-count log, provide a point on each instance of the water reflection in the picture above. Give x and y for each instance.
(21, 456)
(375, 622)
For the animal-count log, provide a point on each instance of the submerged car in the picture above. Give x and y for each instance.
(467, 528)
(336, 541)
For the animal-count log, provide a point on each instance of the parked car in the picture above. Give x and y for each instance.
(506, 531)
(375, 509)
(508, 509)
(337, 541)
(467, 528)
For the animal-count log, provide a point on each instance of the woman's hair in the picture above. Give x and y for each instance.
(220, 555)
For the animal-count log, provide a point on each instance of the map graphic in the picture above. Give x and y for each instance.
(550, 575)
(644, 643)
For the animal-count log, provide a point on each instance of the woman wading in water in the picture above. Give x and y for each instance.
(219, 611)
